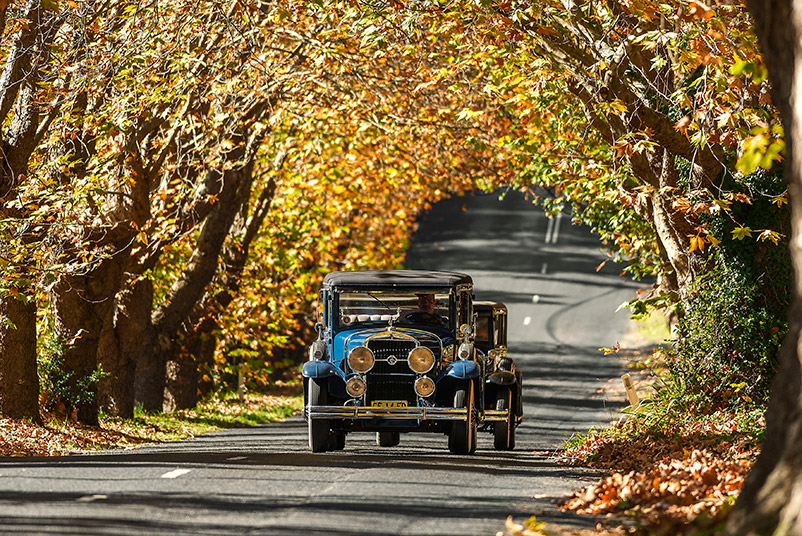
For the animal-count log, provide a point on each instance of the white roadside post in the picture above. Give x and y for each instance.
(632, 395)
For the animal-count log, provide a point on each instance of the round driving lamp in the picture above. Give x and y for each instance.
(424, 386)
(421, 360)
(355, 386)
(465, 351)
(361, 359)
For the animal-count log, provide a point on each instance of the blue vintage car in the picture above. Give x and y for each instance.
(396, 354)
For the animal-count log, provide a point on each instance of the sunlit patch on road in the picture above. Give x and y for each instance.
(176, 473)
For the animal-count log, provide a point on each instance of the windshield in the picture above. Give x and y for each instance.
(411, 307)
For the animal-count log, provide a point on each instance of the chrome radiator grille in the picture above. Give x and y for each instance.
(388, 380)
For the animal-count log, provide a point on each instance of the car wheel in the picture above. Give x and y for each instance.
(462, 437)
(388, 439)
(504, 433)
(319, 429)
(337, 441)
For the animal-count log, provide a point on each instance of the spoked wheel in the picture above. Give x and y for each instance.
(388, 439)
(462, 438)
(319, 429)
(504, 437)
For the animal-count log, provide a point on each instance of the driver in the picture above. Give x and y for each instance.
(425, 312)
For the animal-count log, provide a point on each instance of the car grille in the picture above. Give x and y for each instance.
(390, 382)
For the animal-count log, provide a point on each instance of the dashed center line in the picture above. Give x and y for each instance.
(235, 458)
(92, 498)
(176, 473)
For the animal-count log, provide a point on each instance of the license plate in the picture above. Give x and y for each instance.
(388, 404)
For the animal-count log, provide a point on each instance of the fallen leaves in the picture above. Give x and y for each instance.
(23, 438)
(62, 436)
(674, 492)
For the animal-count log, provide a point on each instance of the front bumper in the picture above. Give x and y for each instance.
(420, 413)
(367, 412)
(496, 415)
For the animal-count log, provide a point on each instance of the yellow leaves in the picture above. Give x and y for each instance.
(614, 350)
(739, 233)
(618, 107)
(531, 527)
(772, 236)
(780, 200)
(761, 150)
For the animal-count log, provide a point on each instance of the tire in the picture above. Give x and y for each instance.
(337, 441)
(388, 439)
(319, 429)
(504, 431)
(462, 437)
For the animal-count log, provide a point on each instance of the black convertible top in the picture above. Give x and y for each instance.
(396, 278)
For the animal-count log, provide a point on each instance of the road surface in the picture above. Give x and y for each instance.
(264, 481)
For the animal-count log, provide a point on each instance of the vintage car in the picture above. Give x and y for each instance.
(396, 354)
(503, 381)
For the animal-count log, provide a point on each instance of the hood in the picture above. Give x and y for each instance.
(347, 340)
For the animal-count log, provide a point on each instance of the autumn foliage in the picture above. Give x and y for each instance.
(178, 176)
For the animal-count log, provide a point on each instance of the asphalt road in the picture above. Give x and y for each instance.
(263, 480)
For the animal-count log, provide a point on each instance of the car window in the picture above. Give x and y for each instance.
(375, 307)
(483, 329)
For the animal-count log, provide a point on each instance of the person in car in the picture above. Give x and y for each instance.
(425, 313)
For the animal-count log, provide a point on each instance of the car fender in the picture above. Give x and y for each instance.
(320, 369)
(502, 377)
(461, 370)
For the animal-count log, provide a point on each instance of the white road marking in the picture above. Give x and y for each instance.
(553, 229)
(549, 230)
(91, 498)
(556, 232)
(527, 320)
(544, 268)
(176, 473)
(235, 458)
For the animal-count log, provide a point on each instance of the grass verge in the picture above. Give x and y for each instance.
(59, 436)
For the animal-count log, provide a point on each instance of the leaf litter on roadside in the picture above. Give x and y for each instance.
(673, 495)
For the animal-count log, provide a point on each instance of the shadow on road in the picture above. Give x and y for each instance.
(263, 480)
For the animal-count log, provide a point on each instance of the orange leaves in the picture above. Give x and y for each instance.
(697, 243)
(674, 490)
(700, 10)
(683, 124)
(623, 148)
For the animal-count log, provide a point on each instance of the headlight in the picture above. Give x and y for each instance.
(355, 387)
(424, 386)
(361, 359)
(317, 350)
(421, 360)
(465, 351)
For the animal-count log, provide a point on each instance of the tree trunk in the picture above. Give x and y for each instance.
(181, 388)
(119, 347)
(771, 501)
(19, 381)
(181, 382)
(150, 372)
(83, 306)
